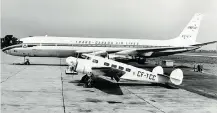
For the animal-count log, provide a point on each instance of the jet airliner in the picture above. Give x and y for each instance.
(50, 46)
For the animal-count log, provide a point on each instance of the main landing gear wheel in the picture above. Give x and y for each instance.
(84, 78)
(88, 81)
(141, 60)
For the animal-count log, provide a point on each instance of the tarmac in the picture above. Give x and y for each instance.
(43, 87)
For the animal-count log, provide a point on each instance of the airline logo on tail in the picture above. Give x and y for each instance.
(189, 34)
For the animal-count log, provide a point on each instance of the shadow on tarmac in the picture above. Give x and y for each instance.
(196, 82)
(103, 85)
(115, 88)
(200, 83)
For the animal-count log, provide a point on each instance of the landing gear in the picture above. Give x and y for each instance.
(84, 78)
(70, 70)
(87, 80)
(141, 60)
(26, 61)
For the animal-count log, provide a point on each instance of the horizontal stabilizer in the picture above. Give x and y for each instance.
(175, 77)
(203, 44)
(141, 51)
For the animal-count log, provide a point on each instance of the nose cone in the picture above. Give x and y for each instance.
(71, 61)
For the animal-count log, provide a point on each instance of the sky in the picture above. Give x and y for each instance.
(144, 19)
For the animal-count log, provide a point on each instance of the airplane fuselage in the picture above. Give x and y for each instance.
(88, 63)
(47, 46)
(44, 46)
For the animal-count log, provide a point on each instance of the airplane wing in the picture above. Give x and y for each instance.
(102, 53)
(108, 71)
(99, 51)
(151, 50)
(133, 50)
(136, 51)
(202, 44)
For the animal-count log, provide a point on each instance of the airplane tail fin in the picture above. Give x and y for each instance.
(158, 70)
(176, 76)
(189, 33)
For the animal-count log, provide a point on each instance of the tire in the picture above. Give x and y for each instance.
(85, 85)
(90, 83)
(84, 79)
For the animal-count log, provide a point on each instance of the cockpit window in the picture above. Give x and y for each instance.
(85, 57)
(9, 40)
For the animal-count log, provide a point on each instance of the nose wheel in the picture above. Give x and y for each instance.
(26, 62)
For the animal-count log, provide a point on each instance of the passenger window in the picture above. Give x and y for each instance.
(127, 69)
(114, 66)
(121, 68)
(88, 58)
(106, 64)
(95, 61)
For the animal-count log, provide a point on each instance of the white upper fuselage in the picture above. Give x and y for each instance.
(102, 41)
(46, 46)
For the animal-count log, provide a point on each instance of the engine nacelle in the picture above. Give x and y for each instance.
(80, 65)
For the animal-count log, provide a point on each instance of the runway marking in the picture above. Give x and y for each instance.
(64, 108)
(145, 100)
(13, 75)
